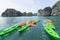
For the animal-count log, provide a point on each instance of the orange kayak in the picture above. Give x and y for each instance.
(31, 23)
(49, 21)
(22, 24)
(34, 22)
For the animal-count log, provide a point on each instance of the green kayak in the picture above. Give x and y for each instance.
(52, 33)
(23, 27)
(2, 32)
(50, 26)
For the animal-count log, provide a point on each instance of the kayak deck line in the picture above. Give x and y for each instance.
(6, 31)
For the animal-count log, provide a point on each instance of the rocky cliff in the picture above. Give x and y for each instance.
(56, 9)
(45, 12)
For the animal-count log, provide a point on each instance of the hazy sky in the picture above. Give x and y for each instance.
(25, 5)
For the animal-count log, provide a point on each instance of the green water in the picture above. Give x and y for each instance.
(36, 32)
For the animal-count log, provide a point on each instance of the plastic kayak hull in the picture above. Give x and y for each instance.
(51, 32)
(23, 28)
(50, 26)
(2, 32)
(49, 21)
(22, 24)
(32, 22)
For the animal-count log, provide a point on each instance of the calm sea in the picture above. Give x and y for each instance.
(35, 32)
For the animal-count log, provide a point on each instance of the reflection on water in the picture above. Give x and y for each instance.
(35, 32)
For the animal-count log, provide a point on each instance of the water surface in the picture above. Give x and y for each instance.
(36, 32)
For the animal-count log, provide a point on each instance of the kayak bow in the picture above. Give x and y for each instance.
(52, 33)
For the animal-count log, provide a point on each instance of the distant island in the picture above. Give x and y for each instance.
(47, 11)
(15, 13)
